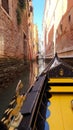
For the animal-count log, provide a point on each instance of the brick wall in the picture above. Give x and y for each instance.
(64, 41)
(11, 34)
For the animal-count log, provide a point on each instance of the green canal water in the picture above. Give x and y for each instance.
(28, 76)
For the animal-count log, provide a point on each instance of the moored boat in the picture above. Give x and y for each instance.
(37, 108)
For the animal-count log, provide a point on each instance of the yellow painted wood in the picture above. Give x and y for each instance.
(60, 80)
(61, 117)
(61, 89)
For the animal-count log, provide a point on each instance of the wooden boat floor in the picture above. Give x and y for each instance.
(61, 113)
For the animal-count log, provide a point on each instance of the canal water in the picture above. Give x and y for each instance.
(28, 76)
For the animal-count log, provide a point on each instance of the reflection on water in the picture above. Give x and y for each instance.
(41, 66)
(28, 76)
(33, 72)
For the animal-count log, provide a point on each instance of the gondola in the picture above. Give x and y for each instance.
(33, 112)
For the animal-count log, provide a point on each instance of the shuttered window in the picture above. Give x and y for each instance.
(5, 5)
(31, 9)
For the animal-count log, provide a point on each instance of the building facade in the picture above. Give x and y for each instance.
(35, 41)
(30, 28)
(14, 29)
(58, 28)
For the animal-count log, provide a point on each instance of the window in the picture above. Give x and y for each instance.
(49, 2)
(5, 5)
(24, 36)
(69, 18)
(28, 14)
(31, 9)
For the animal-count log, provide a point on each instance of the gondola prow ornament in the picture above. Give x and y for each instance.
(15, 116)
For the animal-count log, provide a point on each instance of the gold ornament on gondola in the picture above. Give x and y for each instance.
(61, 72)
(15, 112)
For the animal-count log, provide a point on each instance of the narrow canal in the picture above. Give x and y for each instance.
(27, 77)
